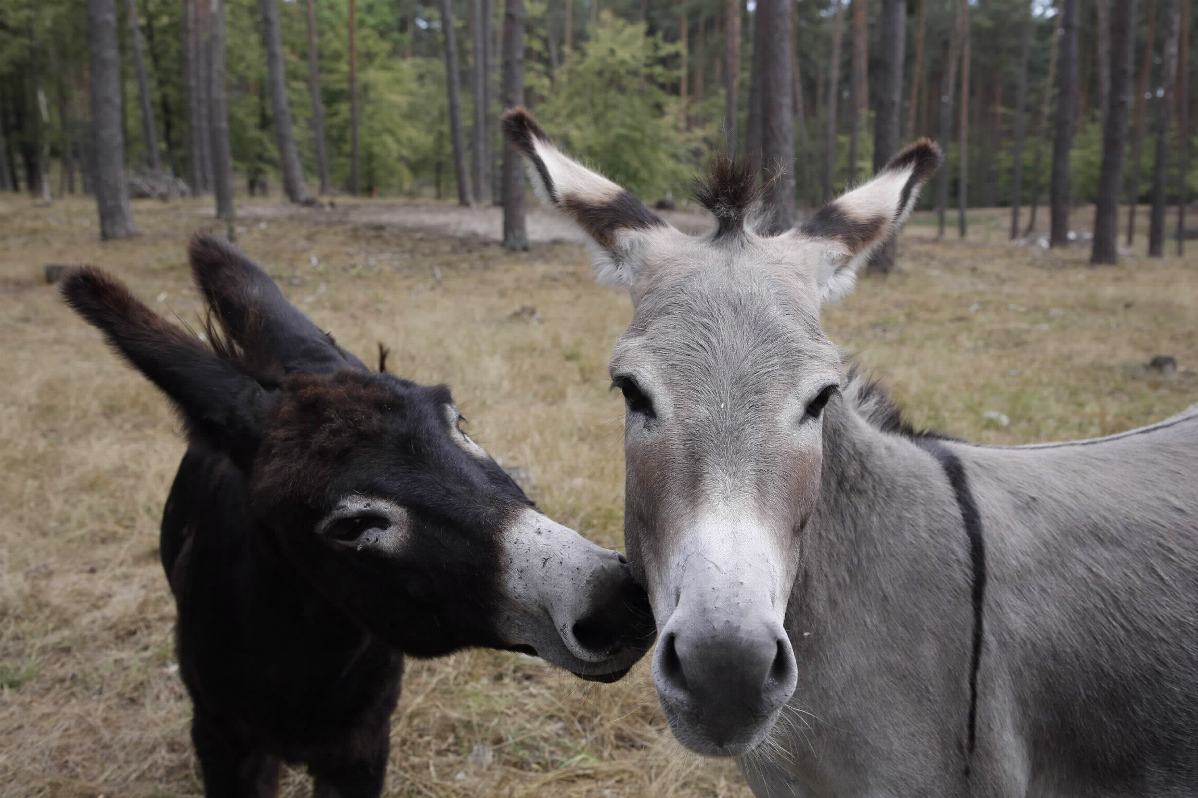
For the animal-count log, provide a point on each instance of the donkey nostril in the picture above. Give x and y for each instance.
(781, 668)
(596, 633)
(671, 665)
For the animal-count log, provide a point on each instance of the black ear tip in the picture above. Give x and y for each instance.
(923, 156)
(95, 295)
(205, 252)
(521, 129)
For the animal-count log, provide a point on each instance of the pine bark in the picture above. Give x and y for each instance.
(322, 158)
(5, 173)
(197, 19)
(1156, 219)
(1183, 124)
(457, 141)
(731, 72)
(1121, 53)
(108, 144)
(1042, 127)
(1060, 196)
(777, 116)
(963, 129)
(859, 91)
(280, 107)
(1134, 179)
(478, 79)
(832, 98)
(890, 99)
(684, 64)
(917, 69)
(753, 118)
(149, 131)
(355, 111)
(1025, 47)
(218, 111)
(1103, 43)
(515, 234)
(948, 89)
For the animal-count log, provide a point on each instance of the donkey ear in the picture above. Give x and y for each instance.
(610, 216)
(218, 402)
(857, 222)
(256, 315)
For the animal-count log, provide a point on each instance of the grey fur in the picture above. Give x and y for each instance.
(841, 542)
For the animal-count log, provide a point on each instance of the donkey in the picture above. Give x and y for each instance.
(325, 522)
(849, 606)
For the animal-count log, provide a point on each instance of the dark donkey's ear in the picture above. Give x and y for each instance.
(218, 402)
(256, 315)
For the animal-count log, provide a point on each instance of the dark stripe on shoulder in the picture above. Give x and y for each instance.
(972, 520)
(602, 220)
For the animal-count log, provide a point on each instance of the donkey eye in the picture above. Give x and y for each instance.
(816, 406)
(634, 397)
(349, 529)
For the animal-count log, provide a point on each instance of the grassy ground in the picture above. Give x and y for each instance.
(968, 335)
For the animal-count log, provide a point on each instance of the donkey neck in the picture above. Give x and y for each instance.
(884, 499)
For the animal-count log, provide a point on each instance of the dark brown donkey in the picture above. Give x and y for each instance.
(327, 520)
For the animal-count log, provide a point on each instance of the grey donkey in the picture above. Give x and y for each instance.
(848, 606)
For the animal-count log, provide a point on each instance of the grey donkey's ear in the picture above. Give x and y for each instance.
(857, 222)
(612, 218)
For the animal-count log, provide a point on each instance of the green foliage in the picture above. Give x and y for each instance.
(609, 106)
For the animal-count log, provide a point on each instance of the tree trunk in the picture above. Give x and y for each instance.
(1121, 52)
(1156, 220)
(890, 99)
(322, 158)
(515, 236)
(802, 173)
(1137, 131)
(1062, 143)
(6, 183)
(917, 68)
(197, 19)
(1103, 43)
(164, 103)
(833, 96)
(1183, 123)
(684, 64)
(355, 111)
(218, 124)
(963, 128)
(1025, 35)
(777, 115)
(289, 161)
(478, 79)
(753, 120)
(108, 144)
(731, 71)
(457, 141)
(1042, 127)
(944, 128)
(149, 132)
(567, 30)
(859, 92)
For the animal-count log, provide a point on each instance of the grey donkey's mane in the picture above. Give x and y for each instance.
(873, 402)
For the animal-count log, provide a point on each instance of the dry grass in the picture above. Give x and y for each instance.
(90, 702)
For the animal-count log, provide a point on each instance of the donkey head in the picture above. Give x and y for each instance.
(725, 370)
(367, 486)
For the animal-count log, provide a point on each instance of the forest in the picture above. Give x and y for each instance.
(365, 97)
